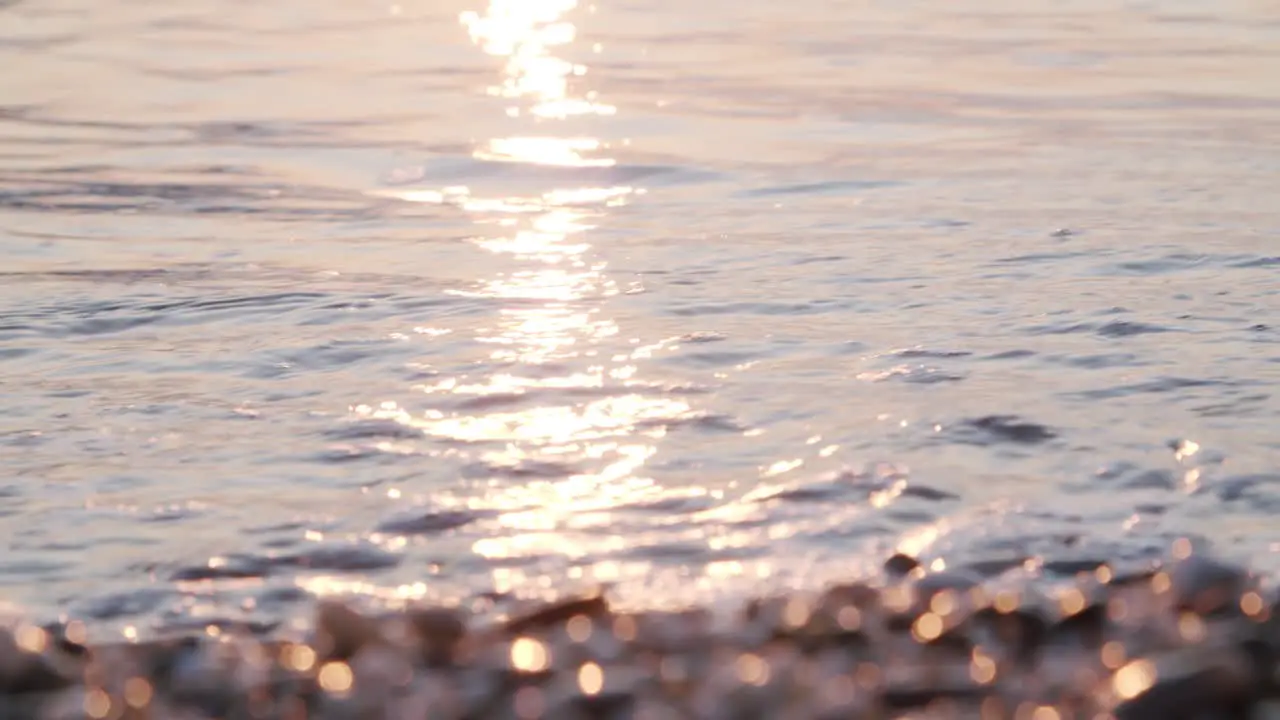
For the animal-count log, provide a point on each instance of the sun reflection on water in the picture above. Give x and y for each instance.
(566, 152)
(563, 427)
(524, 32)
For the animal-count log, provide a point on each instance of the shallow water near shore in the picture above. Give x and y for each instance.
(437, 300)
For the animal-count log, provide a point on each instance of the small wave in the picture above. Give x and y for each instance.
(1156, 386)
(832, 187)
(1114, 329)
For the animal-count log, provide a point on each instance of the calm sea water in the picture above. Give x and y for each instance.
(438, 299)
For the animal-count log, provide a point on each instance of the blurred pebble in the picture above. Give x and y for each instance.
(440, 632)
(898, 565)
(341, 631)
(25, 666)
(1192, 639)
(1203, 585)
(558, 613)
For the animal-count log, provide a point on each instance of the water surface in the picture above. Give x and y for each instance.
(436, 299)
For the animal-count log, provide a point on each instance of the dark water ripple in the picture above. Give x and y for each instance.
(995, 429)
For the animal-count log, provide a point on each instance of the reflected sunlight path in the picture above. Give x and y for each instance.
(570, 422)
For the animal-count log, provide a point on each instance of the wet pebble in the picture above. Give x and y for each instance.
(202, 676)
(1185, 685)
(1017, 633)
(558, 613)
(340, 631)
(26, 666)
(439, 633)
(899, 565)
(592, 691)
(956, 581)
(1205, 585)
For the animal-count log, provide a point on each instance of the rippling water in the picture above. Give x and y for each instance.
(439, 299)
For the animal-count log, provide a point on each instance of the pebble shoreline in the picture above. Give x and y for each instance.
(1193, 638)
